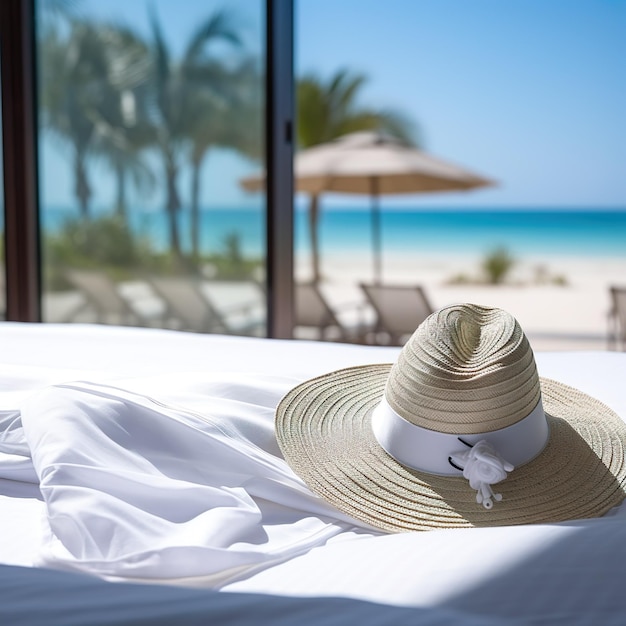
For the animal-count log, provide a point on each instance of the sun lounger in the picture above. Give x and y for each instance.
(400, 309)
(203, 306)
(617, 318)
(106, 299)
(314, 312)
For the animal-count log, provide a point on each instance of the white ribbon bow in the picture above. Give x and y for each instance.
(483, 467)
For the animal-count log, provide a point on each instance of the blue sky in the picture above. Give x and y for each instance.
(531, 93)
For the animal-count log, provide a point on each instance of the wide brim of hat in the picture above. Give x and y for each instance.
(323, 427)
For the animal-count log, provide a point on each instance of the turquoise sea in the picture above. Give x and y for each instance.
(579, 232)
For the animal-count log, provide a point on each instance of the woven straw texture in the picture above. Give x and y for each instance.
(323, 427)
(466, 369)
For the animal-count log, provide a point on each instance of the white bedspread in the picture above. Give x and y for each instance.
(150, 455)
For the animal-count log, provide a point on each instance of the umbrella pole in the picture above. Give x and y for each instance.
(376, 231)
(313, 231)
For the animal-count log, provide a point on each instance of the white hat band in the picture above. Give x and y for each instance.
(429, 451)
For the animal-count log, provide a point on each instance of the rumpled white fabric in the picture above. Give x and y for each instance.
(139, 487)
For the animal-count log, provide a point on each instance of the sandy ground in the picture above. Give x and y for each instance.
(562, 303)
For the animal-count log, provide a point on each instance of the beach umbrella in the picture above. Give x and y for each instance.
(374, 164)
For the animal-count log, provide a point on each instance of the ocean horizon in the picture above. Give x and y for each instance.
(471, 231)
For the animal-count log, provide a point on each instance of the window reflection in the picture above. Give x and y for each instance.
(149, 115)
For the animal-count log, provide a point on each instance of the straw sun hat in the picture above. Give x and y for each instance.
(459, 432)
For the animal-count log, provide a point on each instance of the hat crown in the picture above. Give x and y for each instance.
(466, 369)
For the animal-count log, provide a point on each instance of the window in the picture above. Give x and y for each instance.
(24, 280)
(149, 116)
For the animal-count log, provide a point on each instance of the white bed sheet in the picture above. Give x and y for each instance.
(570, 569)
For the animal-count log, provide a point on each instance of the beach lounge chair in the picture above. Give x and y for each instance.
(105, 299)
(313, 312)
(192, 305)
(617, 318)
(186, 306)
(242, 304)
(400, 309)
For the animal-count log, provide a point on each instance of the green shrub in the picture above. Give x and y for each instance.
(497, 265)
(108, 244)
(104, 243)
(230, 263)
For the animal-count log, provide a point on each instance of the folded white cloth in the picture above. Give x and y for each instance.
(139, 489)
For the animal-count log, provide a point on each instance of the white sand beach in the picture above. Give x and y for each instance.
(562, 303)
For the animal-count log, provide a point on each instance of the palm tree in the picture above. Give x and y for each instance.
(230, 119)
(175, 85)
(73, 86)
(328, 109)
(51, 13)
(92, 82)
(123, 128)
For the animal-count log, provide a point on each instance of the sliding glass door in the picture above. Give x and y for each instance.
(149, 115)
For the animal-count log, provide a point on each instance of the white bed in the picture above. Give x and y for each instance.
(155, 453)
